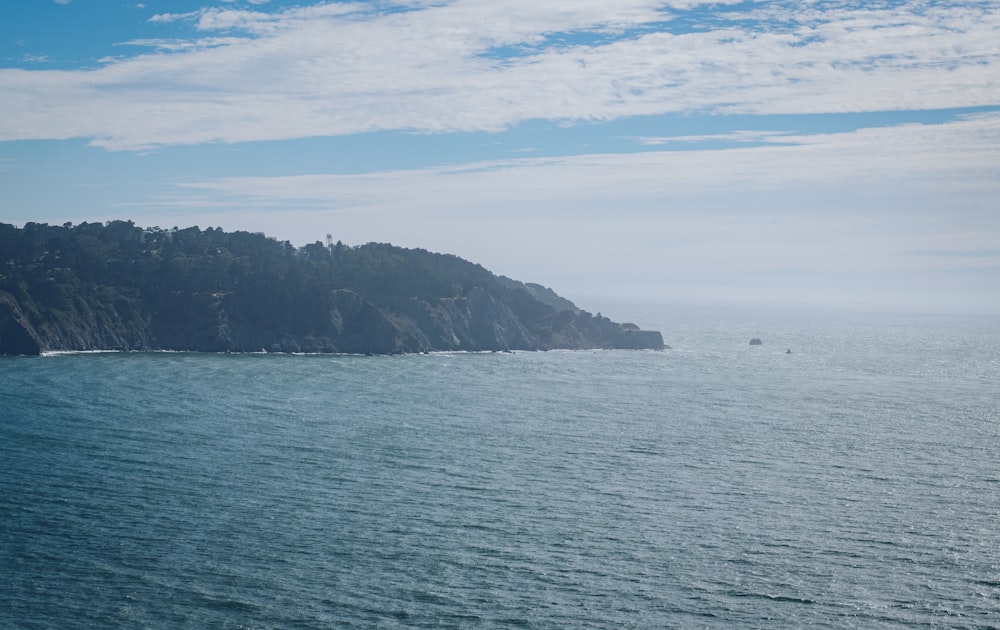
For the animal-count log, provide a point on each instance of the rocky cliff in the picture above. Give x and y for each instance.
(16, 334)
(118, 287)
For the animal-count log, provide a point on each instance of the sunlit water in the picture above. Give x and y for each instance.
(852, 483)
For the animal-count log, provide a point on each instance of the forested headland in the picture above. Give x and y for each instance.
(118, 286)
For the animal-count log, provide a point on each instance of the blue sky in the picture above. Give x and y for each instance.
(834, 153)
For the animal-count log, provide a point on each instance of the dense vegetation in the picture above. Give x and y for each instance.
(119, 286)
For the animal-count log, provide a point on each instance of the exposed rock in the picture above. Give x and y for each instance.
(16, 333)
(357, 326)
(541, 293)
(634, 339)
(756, 342)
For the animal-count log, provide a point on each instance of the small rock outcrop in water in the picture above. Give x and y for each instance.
(116, 286)
(756, 342)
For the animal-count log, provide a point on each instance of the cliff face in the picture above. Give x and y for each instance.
(116, 287)
(348, 323)
(16, 334)
(478, 322)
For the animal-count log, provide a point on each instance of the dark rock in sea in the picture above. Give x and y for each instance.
(639, 339)
(116, 286)
(756, 342)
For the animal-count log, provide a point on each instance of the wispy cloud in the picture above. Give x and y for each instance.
(963, 155)
(975, 253)
(748, 137)
(343, 68)
(859, 202)
(177, 45)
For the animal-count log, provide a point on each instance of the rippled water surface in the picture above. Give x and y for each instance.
(852, 483)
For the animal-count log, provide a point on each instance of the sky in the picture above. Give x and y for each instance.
(826, 153)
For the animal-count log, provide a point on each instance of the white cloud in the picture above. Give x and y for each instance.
(734, 136)
(341, 68)
(177, 45)
(960, 156)
(870, 202)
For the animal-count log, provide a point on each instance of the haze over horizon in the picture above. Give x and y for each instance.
(824, 153)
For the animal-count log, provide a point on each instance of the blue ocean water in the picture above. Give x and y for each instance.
(853, 483)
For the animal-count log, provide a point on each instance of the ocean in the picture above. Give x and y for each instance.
(851, 483)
